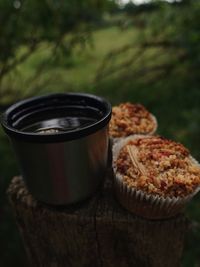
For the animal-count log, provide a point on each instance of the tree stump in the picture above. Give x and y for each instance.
(96, 233)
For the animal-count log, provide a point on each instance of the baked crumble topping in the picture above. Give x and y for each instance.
(169, 169)
(130, 119)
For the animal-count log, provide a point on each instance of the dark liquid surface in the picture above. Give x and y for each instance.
(57, 125)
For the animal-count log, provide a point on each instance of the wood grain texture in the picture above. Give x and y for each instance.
(96, 233)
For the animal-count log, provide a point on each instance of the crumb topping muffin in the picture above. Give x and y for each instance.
(158, 166)
(128, 119)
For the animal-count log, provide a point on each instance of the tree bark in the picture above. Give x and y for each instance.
(96, 233)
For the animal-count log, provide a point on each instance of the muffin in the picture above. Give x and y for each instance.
(128, 119)
(154, 177)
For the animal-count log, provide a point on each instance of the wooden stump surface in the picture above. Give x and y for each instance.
(96, 233)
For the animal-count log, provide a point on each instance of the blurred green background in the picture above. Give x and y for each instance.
(124, 51)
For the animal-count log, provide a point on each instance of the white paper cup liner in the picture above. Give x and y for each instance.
(143, 204)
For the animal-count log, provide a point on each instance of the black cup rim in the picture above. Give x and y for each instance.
(56, 137)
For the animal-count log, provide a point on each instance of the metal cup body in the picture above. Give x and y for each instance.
(66, 172)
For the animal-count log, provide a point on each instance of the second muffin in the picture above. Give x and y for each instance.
(128, 119)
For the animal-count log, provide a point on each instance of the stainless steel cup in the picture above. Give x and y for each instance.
(61, 143)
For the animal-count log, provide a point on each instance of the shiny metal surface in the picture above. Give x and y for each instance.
(65, 172)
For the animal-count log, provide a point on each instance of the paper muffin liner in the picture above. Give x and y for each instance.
(143, 204)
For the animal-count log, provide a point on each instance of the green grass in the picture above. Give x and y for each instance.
(67, 73)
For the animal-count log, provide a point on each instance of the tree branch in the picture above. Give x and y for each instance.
(8, 67)
(104, 71)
